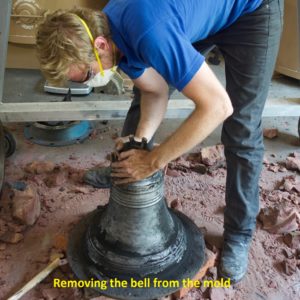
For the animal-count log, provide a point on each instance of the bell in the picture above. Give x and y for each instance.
(138, 241)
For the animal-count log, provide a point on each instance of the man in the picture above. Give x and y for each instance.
(158, 44)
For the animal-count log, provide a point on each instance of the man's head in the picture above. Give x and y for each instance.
(64, 47)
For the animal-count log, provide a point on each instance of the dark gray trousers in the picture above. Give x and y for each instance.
(249, 47)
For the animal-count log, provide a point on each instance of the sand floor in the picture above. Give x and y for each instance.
(273, 266)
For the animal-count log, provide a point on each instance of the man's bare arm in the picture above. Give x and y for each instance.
(212, 107)
(154, 100)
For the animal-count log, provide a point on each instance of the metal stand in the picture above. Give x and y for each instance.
(5, 9)
(55, 134)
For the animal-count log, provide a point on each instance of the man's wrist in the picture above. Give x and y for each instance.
(157, 162)
(144, 131)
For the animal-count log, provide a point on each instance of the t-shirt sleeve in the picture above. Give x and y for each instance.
(132, 71)
(167, 49)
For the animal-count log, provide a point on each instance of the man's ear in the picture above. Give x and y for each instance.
(101, 43)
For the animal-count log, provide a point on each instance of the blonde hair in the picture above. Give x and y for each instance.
(62, 40)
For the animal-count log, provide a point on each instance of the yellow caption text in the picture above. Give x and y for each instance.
(145, 283)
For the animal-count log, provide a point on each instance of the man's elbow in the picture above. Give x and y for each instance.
(226, 107)
(221, 108)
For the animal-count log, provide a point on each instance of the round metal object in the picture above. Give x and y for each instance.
(55, 134)
(136, 236)
(9, 143)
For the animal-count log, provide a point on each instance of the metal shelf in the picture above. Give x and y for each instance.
(26, 101)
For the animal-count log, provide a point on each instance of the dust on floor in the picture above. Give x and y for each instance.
(49, 182)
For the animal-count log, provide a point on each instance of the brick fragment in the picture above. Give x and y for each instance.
(209, 263)
(26, 205)
(212, 155)
(39, 167)
(270, 133)
(292, 239)
(11, 237)
(57, 178)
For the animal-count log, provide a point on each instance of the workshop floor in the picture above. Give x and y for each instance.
(274, 267)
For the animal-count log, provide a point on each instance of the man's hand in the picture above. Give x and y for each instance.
(133, 165)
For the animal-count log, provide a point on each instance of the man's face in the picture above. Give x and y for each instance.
(82, 73)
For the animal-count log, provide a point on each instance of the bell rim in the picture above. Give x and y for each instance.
(188, 267)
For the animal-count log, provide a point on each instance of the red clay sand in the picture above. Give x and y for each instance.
(193, 186)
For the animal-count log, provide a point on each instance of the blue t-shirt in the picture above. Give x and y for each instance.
(160, 33)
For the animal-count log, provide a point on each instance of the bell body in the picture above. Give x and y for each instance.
(137, 237)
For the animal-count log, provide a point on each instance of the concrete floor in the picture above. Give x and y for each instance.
(286, 142)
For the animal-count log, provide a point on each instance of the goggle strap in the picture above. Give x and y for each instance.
(92, 42)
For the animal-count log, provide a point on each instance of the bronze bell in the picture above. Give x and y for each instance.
(136, 238)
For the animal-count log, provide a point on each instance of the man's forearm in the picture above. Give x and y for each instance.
(153, 109)
(212, 107)
(193, 131)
